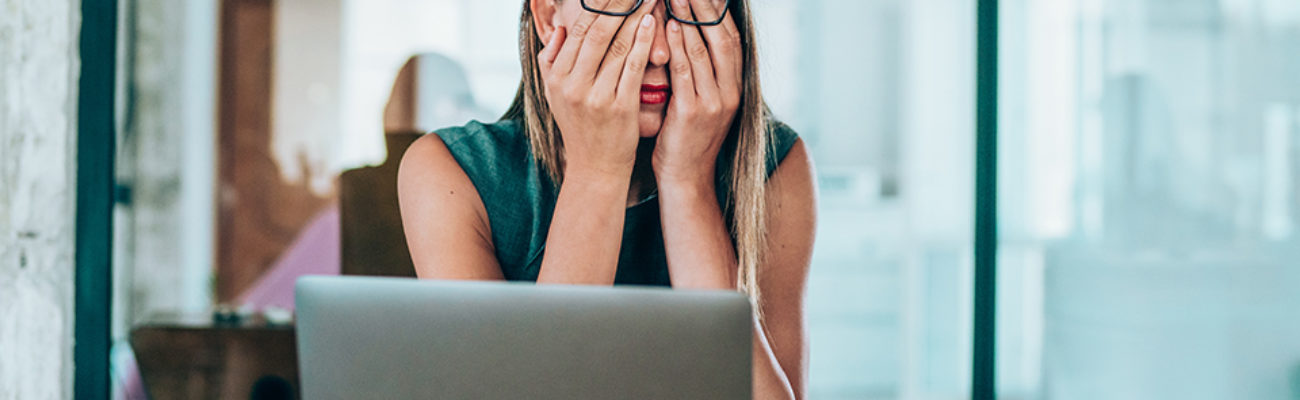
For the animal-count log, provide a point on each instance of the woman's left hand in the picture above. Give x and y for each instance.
(705, 70)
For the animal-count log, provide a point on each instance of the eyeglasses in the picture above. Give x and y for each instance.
(614, 9)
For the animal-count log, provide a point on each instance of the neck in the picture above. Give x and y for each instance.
(643, 177)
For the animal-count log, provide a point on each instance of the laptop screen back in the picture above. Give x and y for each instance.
(362, 337)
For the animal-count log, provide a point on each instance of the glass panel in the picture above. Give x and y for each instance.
(1150, 167)
(882, 93)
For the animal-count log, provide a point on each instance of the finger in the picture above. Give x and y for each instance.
(705, 10)
(697, 52)
(577, 32)
(738, 51)
(679, 67)
(728, 23)
(546, 59)
(723, 41)
(634, 67)
(596, 44)
(616, 56)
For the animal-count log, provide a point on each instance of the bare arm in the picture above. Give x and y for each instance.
(586, 230)
(445, 222)
(440, 205)
(706, 71)
(701, 255)
(792, 228)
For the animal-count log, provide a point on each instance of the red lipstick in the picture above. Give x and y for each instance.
(654, 94)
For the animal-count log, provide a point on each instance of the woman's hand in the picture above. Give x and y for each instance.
(593, 87)
(706, 79)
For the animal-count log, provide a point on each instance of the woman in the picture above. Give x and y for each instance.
(638, 151)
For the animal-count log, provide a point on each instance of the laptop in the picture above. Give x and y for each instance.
(398, 338)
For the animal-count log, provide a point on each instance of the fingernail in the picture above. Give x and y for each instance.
(672, 25)
(647, 20)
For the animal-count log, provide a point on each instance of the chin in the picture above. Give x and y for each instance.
(649, 131)
(650, 123)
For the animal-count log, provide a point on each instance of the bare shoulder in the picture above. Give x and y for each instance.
(429, 174)
(427, 165)
(425, 152)
(792, 189)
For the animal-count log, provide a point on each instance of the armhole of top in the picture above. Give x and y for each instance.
(781, 138)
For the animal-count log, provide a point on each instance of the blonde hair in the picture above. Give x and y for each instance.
(747, 142)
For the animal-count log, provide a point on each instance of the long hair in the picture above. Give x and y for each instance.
(746, 143)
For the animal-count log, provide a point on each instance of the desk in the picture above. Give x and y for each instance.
(190, 357)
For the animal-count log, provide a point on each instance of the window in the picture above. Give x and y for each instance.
(1150, 160)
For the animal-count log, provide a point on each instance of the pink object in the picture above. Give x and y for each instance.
(316, 251)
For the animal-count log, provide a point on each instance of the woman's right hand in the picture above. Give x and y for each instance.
(593, 87)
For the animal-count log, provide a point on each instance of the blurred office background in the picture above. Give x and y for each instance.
(1150, 174)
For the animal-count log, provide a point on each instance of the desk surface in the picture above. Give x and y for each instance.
(190, 357)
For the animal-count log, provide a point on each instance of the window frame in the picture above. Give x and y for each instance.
(984, 352)
(93, 253)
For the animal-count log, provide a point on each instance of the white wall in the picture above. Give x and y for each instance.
(308, 38)
(38, 69)
(164, 235)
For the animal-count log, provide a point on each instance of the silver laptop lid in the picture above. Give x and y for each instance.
(391, 338)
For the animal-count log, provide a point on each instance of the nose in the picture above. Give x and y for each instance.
(659, 52)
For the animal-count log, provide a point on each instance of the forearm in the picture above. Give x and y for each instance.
(701, 255)
(697, 244)
(770, 381)
(586, 230)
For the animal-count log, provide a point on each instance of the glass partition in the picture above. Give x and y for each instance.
(882, 93)
(1150, 195)
(242, 115)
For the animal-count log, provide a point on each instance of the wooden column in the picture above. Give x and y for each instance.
(259, 214)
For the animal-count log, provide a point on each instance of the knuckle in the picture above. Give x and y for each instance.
(698, 51)
(620, 48)
(600, 32)
(572, 97)
(580, 29)
(711, 107)
(636, 68)
(733, 41)
(681, 69)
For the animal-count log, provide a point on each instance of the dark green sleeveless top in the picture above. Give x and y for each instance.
(519, 197)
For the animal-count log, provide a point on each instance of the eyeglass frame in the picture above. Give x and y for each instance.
(668, 7)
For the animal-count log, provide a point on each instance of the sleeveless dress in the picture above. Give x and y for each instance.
(519, 197)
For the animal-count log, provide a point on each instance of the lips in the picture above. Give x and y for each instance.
(654, 94)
